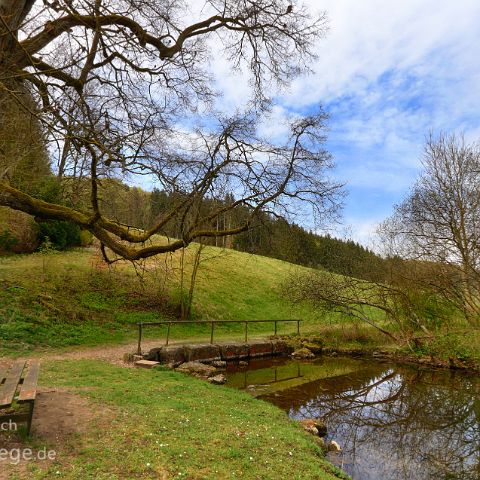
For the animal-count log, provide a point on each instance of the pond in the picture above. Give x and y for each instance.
(392, 421)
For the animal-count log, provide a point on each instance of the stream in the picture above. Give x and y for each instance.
(392, 421)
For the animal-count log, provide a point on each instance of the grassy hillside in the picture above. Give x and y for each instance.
(156, 424)
(69, 298)
(73, 298)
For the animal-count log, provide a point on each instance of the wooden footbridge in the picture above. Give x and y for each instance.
(173, 323)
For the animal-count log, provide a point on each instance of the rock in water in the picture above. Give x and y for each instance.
(333, 446)
(303, 353)
(321, 427)
(315, 348)
(219, 364)
(314, 426)
(218, 379)
(197, 369)
(309, 426)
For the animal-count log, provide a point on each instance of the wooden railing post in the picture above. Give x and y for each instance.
(298, 327)
(139, 349)
(246, 332)
(211, 335)
(168, 333)
(275, 328)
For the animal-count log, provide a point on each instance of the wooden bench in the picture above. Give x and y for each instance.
(18, 383)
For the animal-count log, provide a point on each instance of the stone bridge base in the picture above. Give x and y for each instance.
(214, 352)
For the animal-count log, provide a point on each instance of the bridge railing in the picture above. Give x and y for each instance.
(212, 323)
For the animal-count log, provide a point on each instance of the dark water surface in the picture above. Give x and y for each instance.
(393, 422)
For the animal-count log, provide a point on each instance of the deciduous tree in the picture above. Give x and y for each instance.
(108, 86)
(439, 223)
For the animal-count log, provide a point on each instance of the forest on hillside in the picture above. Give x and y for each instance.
(268, 236)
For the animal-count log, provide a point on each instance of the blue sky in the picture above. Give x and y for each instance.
(388, 73)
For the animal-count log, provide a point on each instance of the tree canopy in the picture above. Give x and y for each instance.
(438, 223)
(107, 89)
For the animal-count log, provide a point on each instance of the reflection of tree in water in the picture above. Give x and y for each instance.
(399, 423)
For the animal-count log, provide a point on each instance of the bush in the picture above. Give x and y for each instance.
(461, 345)
(86, 238)
(61, 234)
(7, 241)
(22, 231)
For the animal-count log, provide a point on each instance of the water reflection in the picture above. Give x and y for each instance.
(393, 422)
(257, 378)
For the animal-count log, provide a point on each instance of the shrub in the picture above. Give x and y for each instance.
(7, 241)
(86, 238)
(61, 234)
(22, 232)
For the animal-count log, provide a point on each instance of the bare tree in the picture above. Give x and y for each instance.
(107, 86)
(392, 307)
(438, 223)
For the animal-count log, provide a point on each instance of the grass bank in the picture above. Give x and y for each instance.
(72, 298)
(163, 424)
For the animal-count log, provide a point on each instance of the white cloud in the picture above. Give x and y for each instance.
(360, 231)
(364, 231)
(233, 84)
(371, 37)
(389, 73)
(276, 126)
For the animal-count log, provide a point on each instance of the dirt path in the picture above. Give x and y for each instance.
(61, 420)
(112, 353)
(109, 353)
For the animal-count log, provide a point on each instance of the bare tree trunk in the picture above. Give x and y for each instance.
(182, 282)
(12, 13)
(21, 144)
(193, 279)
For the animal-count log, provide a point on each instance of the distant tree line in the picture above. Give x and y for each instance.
(137, 208)
(276, 238)
(268, 236)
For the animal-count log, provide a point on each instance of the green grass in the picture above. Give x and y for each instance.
(72, 299)
(167, 425)
(69, 298)
(64, 299)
